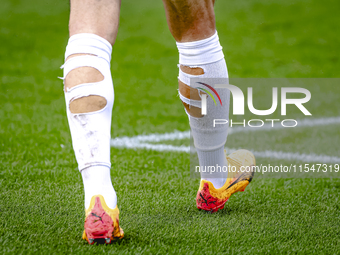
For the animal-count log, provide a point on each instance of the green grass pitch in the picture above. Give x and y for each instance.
(41, 193)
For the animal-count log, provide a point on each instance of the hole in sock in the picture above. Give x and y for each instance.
(189, 92)
(87, 104)
(192, 70)
(82, 75)
(193, 111)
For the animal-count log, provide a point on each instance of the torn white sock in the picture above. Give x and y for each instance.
(209, 142)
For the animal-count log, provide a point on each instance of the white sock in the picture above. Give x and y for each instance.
(91, 131)
(213, 158)
(97, 181)
(207, 54)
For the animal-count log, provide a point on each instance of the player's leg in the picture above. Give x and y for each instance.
(89, 99)
(192, 24)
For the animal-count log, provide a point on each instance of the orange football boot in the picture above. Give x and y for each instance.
(241, 173)
(101, 222)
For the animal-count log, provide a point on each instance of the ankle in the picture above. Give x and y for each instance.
(97, 181)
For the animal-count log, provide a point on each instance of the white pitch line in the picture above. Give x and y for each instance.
(307, 122)
(141, 141)
(155, 137)
(297, 156)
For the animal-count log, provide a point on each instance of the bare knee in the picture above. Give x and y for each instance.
(190, 20)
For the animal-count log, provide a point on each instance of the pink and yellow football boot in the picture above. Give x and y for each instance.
(101, 222)
(211, 199)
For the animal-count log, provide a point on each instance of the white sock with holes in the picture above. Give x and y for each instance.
(207, 54)
(90, 131)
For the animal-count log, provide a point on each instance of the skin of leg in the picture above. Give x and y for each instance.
(190, 20)
(96, 17)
